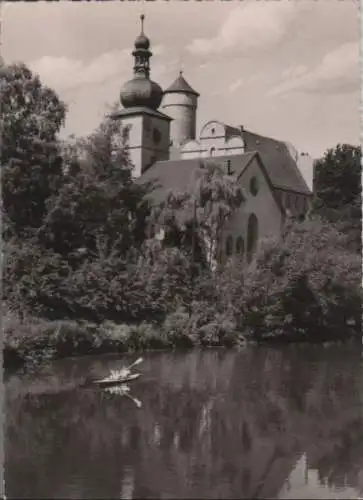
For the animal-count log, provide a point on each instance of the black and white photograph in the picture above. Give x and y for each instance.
(181, 249)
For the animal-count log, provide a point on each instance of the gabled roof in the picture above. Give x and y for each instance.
(181, 85)
(177, 174)
(280, 165)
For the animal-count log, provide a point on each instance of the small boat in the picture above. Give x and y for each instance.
(112, 380)
(118, 377)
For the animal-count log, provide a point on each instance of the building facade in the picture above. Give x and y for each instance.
(165, 150)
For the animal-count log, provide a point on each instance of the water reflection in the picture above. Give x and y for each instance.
(261, 423)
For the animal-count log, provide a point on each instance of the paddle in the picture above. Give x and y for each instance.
(127, 369)
(135, 363)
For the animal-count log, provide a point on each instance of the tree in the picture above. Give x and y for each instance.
(31, 117)
(337, 190)
(98, 200)
(203, 210)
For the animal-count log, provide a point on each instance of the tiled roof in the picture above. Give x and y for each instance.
(176, 175)
(231, 131)
(181, 85)
(281, 167)
(138, 110)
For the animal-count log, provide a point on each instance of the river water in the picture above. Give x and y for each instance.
(261, 422)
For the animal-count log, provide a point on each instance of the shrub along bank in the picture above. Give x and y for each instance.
(303, 286)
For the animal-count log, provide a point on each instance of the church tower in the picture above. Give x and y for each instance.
(145, 129)
(180, 102)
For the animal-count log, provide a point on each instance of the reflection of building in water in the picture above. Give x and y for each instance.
(164, 147)
(338, 460)
(307, 483)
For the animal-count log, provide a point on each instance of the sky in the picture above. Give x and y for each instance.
(286, 69)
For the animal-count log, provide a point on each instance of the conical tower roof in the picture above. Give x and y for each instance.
(181, 85)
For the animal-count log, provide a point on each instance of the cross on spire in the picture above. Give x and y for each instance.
(181, 70)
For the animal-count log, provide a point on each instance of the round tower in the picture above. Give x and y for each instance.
(180, 103)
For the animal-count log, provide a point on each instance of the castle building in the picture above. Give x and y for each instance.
(165, 150)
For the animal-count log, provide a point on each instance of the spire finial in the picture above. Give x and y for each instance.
(142, 17)
(181, 65)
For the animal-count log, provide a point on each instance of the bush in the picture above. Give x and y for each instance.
(303, 285)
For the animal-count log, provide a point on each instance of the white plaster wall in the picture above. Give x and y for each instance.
(190, 149)
(142, 148)
(234, 145)
(207, 130)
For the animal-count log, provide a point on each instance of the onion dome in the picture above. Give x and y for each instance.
(142, 42)
(141, 91)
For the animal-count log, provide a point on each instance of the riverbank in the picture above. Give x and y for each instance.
(35, 340)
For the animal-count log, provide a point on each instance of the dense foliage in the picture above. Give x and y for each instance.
(338, 189)
(31, 117)
(79, 246)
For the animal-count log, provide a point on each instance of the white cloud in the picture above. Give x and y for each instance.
(236, 84)
(249, 26)
(64, 74)
(294, 71)
(337, 73)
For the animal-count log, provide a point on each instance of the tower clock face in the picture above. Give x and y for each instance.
(156, 136)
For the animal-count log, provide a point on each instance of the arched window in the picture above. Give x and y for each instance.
(252, 236)
(212, 151)
(240, 245)
(229, 246)
(254, 186)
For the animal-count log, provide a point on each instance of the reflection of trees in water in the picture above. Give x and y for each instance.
(213, 424)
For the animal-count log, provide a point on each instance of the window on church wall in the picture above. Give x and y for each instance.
(126, 133)
(229, 245)
(252, 236)
(147, 123)
(229, 167)
(212, 151)
(240, 246)
(304, 203)
(156, 135)
(254, 186)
